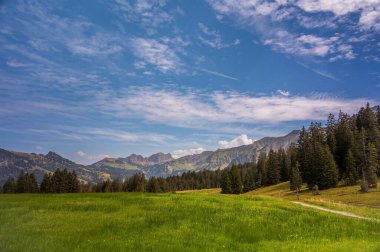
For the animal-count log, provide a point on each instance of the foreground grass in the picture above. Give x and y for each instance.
(175, 222)
(348, 198)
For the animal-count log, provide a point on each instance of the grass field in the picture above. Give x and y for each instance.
(195, 221)
(347, 198)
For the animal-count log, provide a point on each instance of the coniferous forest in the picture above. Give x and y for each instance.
(345, 151)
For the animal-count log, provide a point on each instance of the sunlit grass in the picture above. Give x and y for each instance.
(175, 222)
(345, 198)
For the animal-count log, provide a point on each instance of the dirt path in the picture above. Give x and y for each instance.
(333, 211)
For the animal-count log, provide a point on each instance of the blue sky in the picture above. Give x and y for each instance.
(90, 79)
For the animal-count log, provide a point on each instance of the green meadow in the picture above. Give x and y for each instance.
(175, 222)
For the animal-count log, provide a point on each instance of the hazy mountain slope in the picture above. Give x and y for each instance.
(12, 163)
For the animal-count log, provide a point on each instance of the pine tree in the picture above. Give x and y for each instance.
(285, 165)
(32, 183)
(21, 186)
(236, 185)
(344, 142)
(154, 185)
(351, 175)
(260, 178)
(372, 166)
(330, 133)
(249, 182)
(226, 182)
(46, 184)
(272, 169)
(9, 186)
(295, 179)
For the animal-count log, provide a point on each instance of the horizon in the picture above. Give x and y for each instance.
(96, 79)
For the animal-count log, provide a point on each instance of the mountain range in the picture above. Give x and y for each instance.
(159, 164)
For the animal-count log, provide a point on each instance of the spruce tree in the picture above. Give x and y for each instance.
(351, 174)
(9, 186)
(21, 185)
(249, 182)
(236, 185)
(226, 182)
(295, 179)
(372, 166)
(272, 169)
(154, 185)
(46, 184)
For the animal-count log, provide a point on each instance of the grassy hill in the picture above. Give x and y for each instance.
(347, 198)
(175, 222)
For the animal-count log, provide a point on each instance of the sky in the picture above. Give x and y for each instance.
(91, 79)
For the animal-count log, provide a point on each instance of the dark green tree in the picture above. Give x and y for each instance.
(351, 175)
(9, 186)
(236, 185)
(272, 166)
(295, 179)
(226, 182)
(249, 182)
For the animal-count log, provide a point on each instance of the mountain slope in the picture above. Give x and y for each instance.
(221, 158)
(12, 163)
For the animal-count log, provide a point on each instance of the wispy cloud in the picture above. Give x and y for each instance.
(91, 158)
(192, 108)
(270, 21)
(182, 153)
(150, 14)
(213, 38)
(156, 53)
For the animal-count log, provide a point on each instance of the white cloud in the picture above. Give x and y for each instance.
(181, 153)
(269, 20)
(338, 7)
(194, 108)
(213, 38)
(39, 148)
(238, 141)
(150, 14)
(370, 19)
(156, 53)
(283, 92)
(15, 63)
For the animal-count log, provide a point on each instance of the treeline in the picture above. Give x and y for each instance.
(58, 182)
(346, 150)
(138, 183)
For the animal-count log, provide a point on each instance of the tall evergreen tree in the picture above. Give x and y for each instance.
(249, 182)
(372, 166)
(226, 182)
(351, 175)
(22, 183)
(272, 169)
(295, 179)
(46, 184)
(236, 185)
(9, 186)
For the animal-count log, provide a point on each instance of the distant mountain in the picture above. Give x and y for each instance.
(125, 167)
(221, 158)
(12, 163)
(160, 164)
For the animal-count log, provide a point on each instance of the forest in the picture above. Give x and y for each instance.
(345, 151)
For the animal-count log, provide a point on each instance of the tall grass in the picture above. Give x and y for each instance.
(175, 222)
